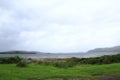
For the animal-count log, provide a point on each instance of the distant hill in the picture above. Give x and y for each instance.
(109, 50)
(18, 52)
(115, 49)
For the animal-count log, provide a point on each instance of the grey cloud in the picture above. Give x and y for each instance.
(58, 26)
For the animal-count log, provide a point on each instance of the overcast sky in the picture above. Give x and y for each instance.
(59, 25)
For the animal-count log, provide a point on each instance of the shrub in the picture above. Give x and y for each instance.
(10, 60)
(22, 63)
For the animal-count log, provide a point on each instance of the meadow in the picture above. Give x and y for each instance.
(43, 72)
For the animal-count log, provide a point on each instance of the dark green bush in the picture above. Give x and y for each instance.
(10, 60)
(107, 59)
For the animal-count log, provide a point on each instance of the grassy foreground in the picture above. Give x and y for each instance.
(42, 72)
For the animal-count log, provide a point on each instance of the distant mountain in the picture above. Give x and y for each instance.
(115, 49)
(18, 52)
(109, 50)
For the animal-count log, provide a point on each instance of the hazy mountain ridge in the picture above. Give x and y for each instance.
(115, 49)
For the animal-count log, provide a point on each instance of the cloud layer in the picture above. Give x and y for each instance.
(59, 25)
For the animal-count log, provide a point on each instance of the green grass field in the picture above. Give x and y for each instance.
(41, 72)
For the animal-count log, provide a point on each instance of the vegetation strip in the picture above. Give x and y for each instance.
(98, 68)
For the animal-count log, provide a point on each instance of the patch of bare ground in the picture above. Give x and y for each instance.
(110, 78)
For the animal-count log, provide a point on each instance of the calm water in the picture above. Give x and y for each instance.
(38, 55)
